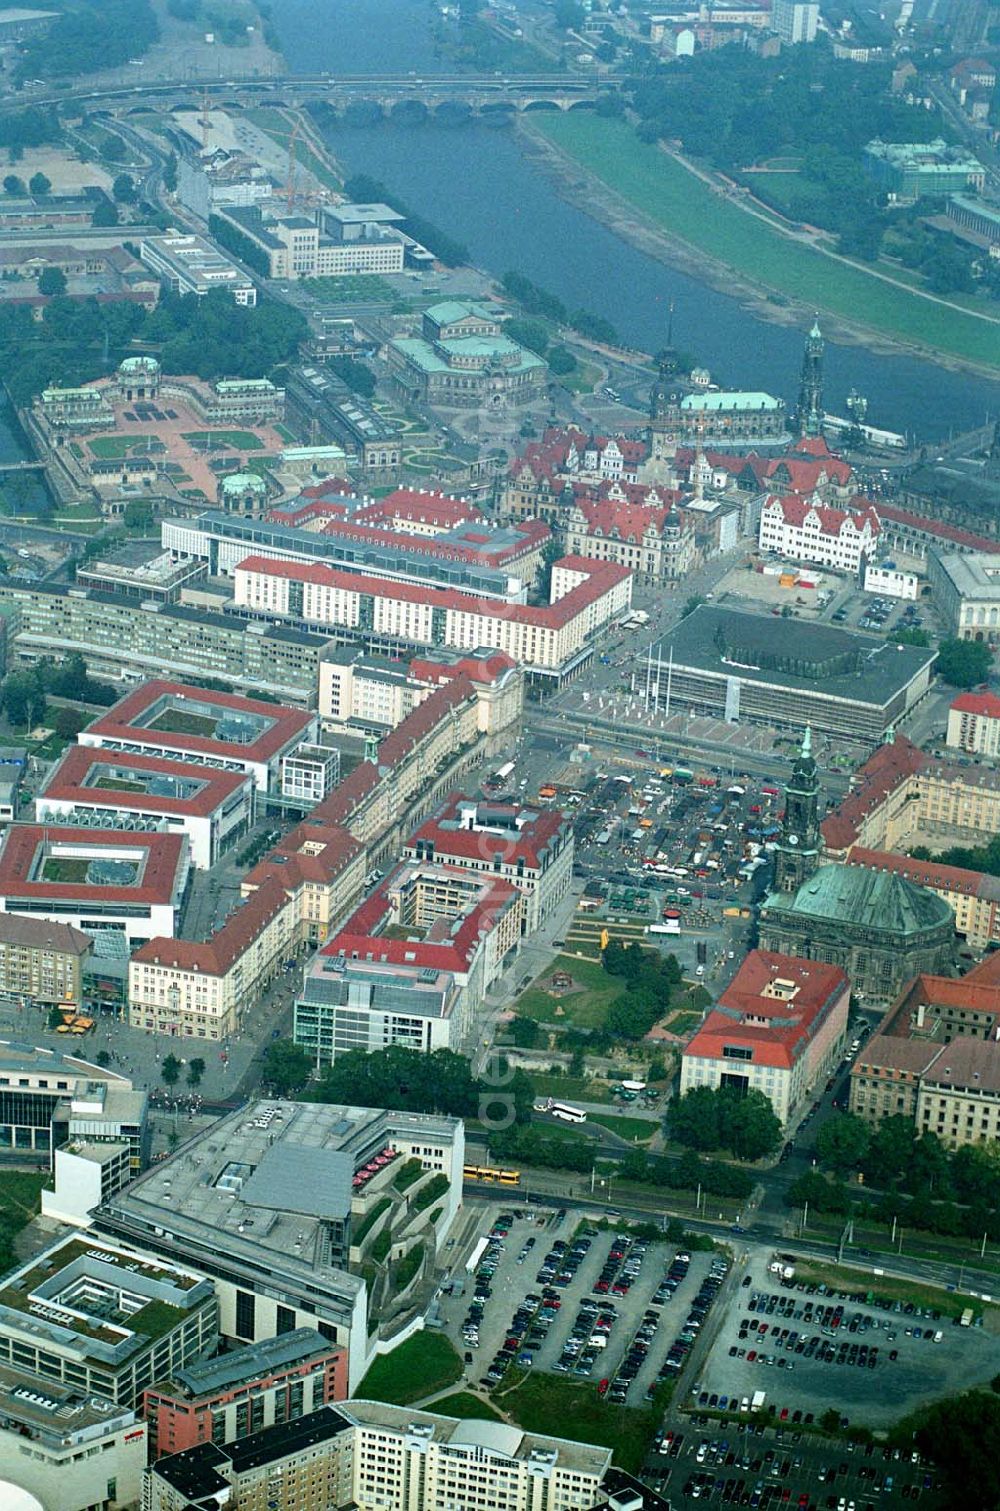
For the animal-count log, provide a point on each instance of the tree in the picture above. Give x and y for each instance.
(104, 214)
(52, 282)
(170, 1070)
(170, 173)
(139, 514)
(359, 378)
(68, 722)
(842, 1142)
(13, 185)
(962, 1436)
(103, 1059)
(890, 1152)
(692, 603)
(23, 697)
(963, 663)
(196, 1070)
(552, 552)
(529, 333)
(39, 184)
(913, 635)
(561, 360)
(124, 189)
(745, 1124)
(524, 1032)
(286, 1067)
(569, 14)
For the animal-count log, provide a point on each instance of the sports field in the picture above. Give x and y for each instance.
(686, 207)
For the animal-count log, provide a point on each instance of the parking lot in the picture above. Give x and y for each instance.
(567, 1298)
(809, 1351)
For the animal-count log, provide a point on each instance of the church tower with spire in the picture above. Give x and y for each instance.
(810, 410)
(797, 853)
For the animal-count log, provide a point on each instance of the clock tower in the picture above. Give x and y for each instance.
(797, 854)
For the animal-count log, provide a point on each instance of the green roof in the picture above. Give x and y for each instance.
(450, 310)
(712, 402)
(139, 364)
(239, 480)
(429, 359)
(878, 901)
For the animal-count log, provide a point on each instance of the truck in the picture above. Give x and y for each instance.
(672, 926)
(481, 1245)
(757, 1400)
(966, 1318)
(782, 1265)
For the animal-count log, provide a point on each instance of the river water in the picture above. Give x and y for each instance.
(475, 182)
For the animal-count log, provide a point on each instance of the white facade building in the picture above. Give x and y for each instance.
(309, 772)
(795, 20)
(892, 583)
(805, 530)
(974, 724)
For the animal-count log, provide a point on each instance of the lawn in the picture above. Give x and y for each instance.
(20, 1199)
(570, 1408)
(239, 440)
(585, 1007)
(425, 1363)
(351, 289)
(65, 869)
(885, 1287)
(688, 208)
(466, 1405)
(571, 1088)
(636, 1130)
(179, 721)
(108, 446)
(683, 1024)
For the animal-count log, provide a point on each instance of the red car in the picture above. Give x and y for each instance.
(751, 1356)
(602, 1386)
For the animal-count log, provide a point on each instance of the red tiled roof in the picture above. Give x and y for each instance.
(294, 860)
(431, 508)
(945, 991)
(215, 956)
(20, 850)
(476, 668)
(987, 705)
(795, 511)
(927, 873)
(69, 782)
(789, 1025)
(121, 722)
(810, 445)
(600, 576)
(872, 783)
(937, 529)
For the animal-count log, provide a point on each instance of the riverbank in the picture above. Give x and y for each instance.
(652, 201)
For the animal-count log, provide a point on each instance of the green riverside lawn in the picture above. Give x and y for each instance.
(686, 207)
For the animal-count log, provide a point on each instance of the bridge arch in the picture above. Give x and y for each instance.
(540, 105)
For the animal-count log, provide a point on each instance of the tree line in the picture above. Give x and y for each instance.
(539, 302)
(91, 37)
(24, 693)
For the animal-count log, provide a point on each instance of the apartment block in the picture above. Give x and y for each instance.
(41, 962)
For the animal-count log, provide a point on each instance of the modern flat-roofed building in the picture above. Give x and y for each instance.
(299, 246)
(269, 1200)
(746, 667)
(181, 723)
(104, 1318)
(532, 848)
(974, 724)
(50, 1099)
(126, 641)
(189, 264)
(66, 1448)
(309, 772)
(212, 807)
(41, 962)
(390, 1458)
(412, 965)
(238, 1393)
(96, 880)
(779, 1028)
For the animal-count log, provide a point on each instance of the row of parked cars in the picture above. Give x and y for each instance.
(697, 1315)
(561, 1263)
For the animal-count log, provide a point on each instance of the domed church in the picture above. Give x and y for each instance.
(880, 928)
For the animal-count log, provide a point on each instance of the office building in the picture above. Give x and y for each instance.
(41, 962)
(921, 170)
(212, 808)
(371, 695)
(779, 1028)
(238, 1393)
(65, 1448)
(746, 667)
(105, 1319)
(309, 772)
(191, 265)
(530, 848)
(50, 1098)
(550, 642)
(288, 246)
(974, 724)
(795, 20)
(412, 965)
(171, 721)
(95, 880)
(802, 530)
(271, 1200)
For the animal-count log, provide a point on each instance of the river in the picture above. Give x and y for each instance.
(476, 183)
